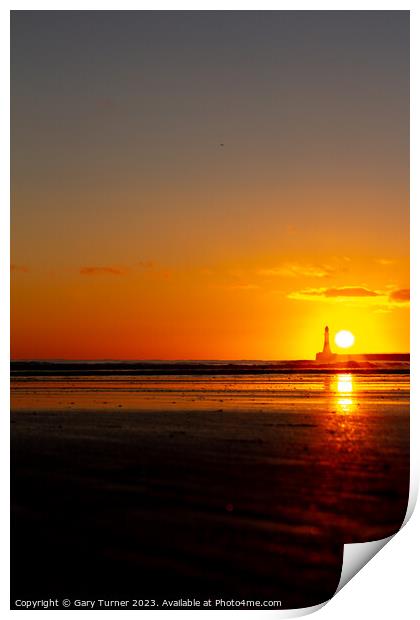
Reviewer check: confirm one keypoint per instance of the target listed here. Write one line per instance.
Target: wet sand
(252, 497)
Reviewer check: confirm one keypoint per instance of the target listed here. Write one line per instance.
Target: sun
(344, 339)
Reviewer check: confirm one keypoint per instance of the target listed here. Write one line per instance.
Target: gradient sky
(135, 234)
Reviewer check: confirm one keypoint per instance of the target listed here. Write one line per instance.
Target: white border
(387, 586)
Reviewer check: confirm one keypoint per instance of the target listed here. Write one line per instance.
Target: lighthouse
(326, 350)
(325, 355)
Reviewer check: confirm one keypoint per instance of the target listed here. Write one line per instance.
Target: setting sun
(344, 339)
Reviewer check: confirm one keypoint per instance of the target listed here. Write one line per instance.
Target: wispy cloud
(20, 268)
(357, 294)
(385, 261)
(401, 295)
(291, 270)
(343, 291)
(146, 268)
(350, 291)
(106, 270)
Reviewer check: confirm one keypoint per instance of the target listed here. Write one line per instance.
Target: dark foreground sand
(155, 504)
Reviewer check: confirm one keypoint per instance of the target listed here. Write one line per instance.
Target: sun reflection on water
(344, 384)
(344, 389)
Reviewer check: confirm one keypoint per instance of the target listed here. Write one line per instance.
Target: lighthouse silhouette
(325, 355)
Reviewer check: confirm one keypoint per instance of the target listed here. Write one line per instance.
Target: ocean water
(207, 386)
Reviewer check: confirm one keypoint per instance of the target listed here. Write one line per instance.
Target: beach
(214, 486)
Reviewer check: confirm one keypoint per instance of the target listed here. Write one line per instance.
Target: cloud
(350, 291)
(385, 261)
(147, 269)
(293, 269)
(401, 295)
(387, 299)
(20, 268)
(344, 291)
(298, 269)
(95, 271)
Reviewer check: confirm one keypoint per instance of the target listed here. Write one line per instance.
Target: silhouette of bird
(221, 144)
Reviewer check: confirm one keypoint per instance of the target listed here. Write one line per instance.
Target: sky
(208, 184)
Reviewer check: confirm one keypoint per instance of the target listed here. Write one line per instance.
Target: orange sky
(259, 310)
(135, 235)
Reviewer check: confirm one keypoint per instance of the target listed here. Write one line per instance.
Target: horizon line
(133, 359)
